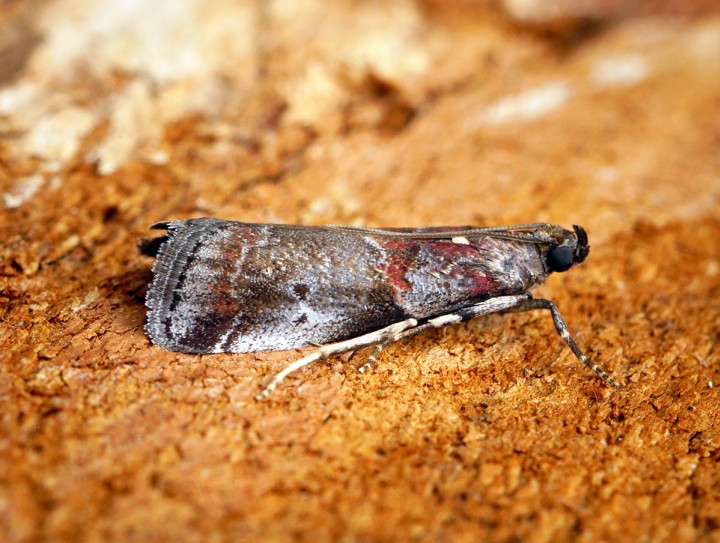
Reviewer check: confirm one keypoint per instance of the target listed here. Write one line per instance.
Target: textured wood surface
(113, 117)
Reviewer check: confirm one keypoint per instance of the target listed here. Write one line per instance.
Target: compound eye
(560, 259)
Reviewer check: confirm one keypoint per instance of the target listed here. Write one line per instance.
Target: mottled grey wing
(223, 286)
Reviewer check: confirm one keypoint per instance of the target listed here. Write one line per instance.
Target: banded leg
(564, 333)
(377, 337)
(373, 357)
(493, 305)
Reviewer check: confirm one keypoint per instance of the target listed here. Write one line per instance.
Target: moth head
(568, 252)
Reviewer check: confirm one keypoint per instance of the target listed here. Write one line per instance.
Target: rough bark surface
(116, 115)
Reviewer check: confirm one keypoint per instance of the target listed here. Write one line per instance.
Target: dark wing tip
(160, 225)
(151, 246)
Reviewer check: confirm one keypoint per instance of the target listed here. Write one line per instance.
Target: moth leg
(432, 323)
(377, 337)
(564, 333)
(378, 349)
(493, 305)
(483, 308)
(373, 357)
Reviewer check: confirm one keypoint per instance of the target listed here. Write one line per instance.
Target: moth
(224, 286)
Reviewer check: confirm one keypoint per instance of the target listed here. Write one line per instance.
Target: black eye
(560, 259)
